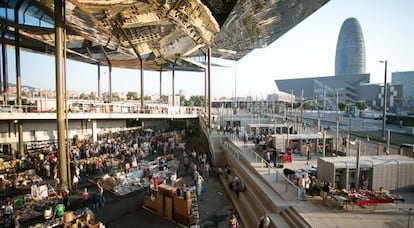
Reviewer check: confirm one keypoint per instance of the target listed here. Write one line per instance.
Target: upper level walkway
(101, 111)
(314, 211)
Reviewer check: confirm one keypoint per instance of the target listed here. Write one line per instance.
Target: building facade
(325, 88)
(406, 80)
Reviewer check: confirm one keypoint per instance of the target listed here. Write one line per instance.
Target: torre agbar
(350, 49)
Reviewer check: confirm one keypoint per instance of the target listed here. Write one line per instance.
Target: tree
(83, 96)
(183, 101)
(132, 96)
(361, 105)
(116, 97)
(196, 101)
(342, 106)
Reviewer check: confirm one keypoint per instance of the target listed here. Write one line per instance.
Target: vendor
(156, 182)
(48, 213)
(9, 211)
(59, 210)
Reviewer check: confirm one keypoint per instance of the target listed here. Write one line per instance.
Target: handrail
(239, 157)
(263, 161)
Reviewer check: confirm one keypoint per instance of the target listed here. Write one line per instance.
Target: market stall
(389, 171)
(362, 197)
(178, 204)
(133, 179)
(82, 217)
(366, 197)
(32, 205)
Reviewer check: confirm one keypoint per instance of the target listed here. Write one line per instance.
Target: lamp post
(337, 122)
(291, 101)
(233, 54)
(384, 111)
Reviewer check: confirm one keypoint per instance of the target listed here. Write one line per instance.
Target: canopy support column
(63, 172)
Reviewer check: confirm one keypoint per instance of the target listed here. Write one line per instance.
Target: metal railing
(289, 186)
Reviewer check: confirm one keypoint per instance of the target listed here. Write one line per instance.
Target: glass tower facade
(350, 49)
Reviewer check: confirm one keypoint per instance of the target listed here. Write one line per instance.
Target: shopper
(59, 210)
(264, 221)
(233, 223)
(48, 213)
(236, 185)
(96, 202)
(325, 192)
(199, 184)
(301, 185)
(85, 198)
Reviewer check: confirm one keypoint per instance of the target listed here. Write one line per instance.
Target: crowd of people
(90, 159)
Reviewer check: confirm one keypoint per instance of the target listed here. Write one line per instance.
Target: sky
(307, 50)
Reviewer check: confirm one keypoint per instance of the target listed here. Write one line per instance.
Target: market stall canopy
(308, 136)
(160, 33)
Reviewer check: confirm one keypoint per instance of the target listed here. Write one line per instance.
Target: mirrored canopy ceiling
(163, 34)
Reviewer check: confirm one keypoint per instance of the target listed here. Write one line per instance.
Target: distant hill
(14, 85)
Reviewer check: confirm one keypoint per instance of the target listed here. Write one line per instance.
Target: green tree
(197, 101)
(361, 105)
(116, 97)
(84, 96)
(132, 96)
(342, 106)
(183, 101)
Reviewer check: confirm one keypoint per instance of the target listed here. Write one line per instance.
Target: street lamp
(384, 111)
(275, 123)
(233, 54)
(337, 121)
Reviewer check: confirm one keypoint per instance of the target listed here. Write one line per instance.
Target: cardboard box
(167, 190)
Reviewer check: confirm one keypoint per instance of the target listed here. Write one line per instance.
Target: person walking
(100, 191)
(96, 201)
(75, 181)
(307, 183)
(207, 171)
(301, 184)
(85, 198)
(199, 183)
(233, 223)
(264, 221)
(236, 185)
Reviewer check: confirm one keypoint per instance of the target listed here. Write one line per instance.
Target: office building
(350, 49)
(406, 80)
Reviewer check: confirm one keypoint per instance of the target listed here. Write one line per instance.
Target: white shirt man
(264, 221)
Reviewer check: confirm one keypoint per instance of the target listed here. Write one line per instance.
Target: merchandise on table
(124, 183)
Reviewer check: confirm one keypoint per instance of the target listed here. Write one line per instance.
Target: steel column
(110, 82)
(173, 84)
(18, 77)
(99, 82)
(209, 85)
(63, 172)
(160, 85)
(17, 57)
(142, 83)
(205, 83)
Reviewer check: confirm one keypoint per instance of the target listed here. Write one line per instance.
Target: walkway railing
(267, 193)
(289, 186)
